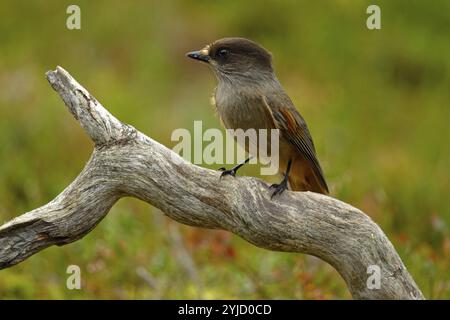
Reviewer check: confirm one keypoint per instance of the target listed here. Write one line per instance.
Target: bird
(249, 96)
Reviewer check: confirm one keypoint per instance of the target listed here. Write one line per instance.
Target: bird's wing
(293, 127)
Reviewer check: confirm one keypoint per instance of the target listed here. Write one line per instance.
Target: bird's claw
(232, 171)
(225, 172)
(278, 188)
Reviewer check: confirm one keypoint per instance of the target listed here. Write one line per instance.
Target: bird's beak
(202, 55)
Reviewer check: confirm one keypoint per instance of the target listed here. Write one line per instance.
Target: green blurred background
(377, 104)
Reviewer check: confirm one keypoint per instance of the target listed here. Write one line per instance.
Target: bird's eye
(223, 52)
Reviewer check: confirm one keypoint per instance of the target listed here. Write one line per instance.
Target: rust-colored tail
(306, 177)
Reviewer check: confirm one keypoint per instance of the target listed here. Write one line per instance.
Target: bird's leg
(283, 185)
(232, 171)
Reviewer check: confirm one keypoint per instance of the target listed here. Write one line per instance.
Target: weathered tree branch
(125, 162)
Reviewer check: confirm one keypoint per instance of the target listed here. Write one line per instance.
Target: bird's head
(232, 58)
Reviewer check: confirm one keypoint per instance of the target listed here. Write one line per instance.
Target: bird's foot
(278, 188)
(228, 172)
(232, 171)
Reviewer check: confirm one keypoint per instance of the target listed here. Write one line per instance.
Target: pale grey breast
(245, 110)
(240, 109)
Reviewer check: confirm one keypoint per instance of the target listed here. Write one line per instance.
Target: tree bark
(125, 162)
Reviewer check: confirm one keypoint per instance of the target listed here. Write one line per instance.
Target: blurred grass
(377, 103)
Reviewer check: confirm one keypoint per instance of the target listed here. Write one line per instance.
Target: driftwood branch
(125, 162)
